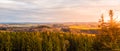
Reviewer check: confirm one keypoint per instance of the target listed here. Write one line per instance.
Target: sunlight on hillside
(82, 27)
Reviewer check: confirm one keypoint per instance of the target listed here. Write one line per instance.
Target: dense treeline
(56, 41)
(45, 41)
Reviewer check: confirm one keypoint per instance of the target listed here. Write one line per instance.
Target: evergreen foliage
(44, 41)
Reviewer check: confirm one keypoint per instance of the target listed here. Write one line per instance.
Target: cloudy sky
(56, 10)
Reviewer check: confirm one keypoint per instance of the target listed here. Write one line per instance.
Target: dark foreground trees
(56, 41)
(45, 41)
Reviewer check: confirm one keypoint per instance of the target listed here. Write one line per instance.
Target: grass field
(82, 27)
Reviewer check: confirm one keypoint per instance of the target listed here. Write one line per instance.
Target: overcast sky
(56, 10)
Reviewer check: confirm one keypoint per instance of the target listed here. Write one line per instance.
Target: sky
(57, 10)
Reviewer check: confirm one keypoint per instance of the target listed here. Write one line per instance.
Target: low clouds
(53, 10)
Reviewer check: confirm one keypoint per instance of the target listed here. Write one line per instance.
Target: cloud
(54, 10)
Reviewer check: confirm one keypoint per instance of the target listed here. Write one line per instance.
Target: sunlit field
(83, 27)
